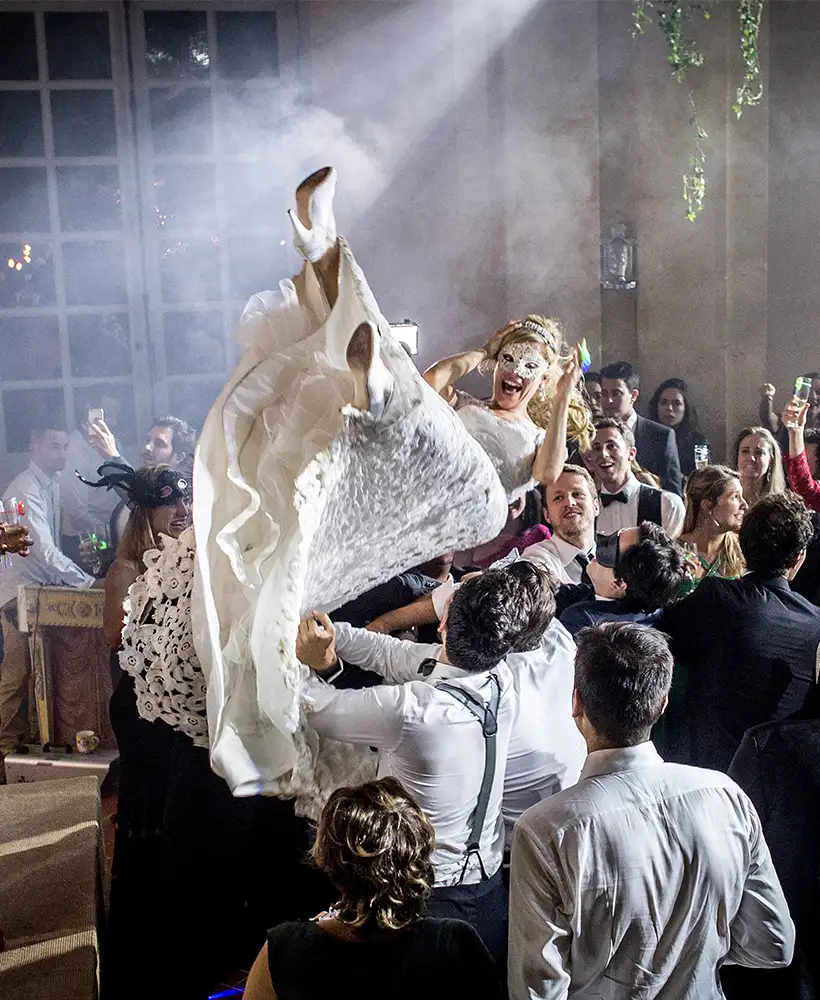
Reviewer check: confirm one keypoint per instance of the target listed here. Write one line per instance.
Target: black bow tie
(609, 498)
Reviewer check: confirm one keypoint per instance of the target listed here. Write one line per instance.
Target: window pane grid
(94, 295)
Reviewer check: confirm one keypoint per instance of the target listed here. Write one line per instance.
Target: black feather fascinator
(167, 488)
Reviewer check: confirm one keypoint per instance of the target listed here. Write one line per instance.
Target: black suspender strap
(487, 715)
(649, 505)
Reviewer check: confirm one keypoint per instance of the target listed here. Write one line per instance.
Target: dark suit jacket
(658, 452)
(745, 653)
(587, 613)
(778, 766)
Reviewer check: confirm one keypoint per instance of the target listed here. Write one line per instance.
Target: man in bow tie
(626, 503)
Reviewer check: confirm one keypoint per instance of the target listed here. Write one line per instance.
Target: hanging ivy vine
(672, 17)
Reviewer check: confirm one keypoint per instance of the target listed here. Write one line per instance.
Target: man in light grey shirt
(38, 487)
(645, 877)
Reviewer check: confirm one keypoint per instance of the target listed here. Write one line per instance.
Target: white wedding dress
(301, 503)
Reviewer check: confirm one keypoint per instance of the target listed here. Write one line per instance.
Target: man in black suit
(746, 651)
(656, 445)
(778, 766)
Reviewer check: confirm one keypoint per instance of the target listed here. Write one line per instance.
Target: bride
(325, 466)
(526, 360)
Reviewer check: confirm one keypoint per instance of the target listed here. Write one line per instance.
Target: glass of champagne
(9, 514)
(802, 391)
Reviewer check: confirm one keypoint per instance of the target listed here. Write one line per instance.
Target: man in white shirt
(546, 751)
(572, 506)
(625, 502)
(430, 740)
(645, 877)
(39, 489)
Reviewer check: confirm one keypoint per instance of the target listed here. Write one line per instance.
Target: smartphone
(95, 414)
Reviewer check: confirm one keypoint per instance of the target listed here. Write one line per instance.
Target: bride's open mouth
(513, 385)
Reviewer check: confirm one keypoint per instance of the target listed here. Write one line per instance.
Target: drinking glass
(802, 391)
(701, 456)
(9, 514)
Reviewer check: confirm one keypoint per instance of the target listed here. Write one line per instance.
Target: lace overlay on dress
(157, 643)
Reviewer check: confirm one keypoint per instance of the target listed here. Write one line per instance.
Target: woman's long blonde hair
(775, 479)
(710, 483)
(138, 536)
(558, 354)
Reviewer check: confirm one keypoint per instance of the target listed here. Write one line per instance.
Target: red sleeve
(800, 480)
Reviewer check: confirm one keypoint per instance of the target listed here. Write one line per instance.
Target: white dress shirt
(640, 881)
(434, 746)
(546, 752)
(625, 515)
(559, 557)
(84, 507)
(46, 564)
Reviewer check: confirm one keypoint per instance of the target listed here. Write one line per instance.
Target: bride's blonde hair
(547, 334)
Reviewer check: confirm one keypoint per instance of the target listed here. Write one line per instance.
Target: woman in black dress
(374, 843)
(672, 406)
(158, 500)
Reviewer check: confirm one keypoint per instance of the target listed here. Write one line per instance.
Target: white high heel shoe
(373, 383)
(314, 225)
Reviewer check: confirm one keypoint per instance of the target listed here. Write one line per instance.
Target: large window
(128, 247)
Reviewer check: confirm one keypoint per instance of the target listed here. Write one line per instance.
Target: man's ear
(633, 454)
(577, 704)
(634, 393)
(619, 586)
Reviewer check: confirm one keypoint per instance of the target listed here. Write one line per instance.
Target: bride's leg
(371, 380)
(315, 229)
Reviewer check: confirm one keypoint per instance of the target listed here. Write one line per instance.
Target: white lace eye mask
(524, 360)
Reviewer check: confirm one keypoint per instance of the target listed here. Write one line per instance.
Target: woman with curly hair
(375, 844)
(526, 359)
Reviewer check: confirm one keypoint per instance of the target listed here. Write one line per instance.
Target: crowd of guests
(599, 736)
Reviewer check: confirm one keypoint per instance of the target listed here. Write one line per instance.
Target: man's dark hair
(653, 569)
(811, 375)
(623, 672)
(44, 424)
(592, 377)
(622, 370)
(774, 533)
(487, 618)
(602, 423)
(541, 586)
(184, 436)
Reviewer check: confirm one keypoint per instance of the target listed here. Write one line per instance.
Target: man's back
(745, 653)
(546, 751)
(640, 881)
(778, 766)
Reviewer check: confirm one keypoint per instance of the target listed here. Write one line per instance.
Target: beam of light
(427, 56)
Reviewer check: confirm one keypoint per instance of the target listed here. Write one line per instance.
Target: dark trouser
(485, 905)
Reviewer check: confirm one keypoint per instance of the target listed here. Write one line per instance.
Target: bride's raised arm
(443, 375)
(551, 455)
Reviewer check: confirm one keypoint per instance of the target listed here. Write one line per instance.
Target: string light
(11, 262)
